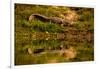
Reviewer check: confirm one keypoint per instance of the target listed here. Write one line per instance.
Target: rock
(43, 18)
(69, 53)
(70, 16)
(56, 20)
(39, 17)
(30, 51)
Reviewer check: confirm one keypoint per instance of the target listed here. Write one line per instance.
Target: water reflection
(56, 47)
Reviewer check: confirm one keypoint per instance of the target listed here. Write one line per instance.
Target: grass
(39, 26)
(50, 27)
(24, 30)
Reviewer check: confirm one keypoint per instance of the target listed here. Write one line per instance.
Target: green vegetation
(50, 37)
